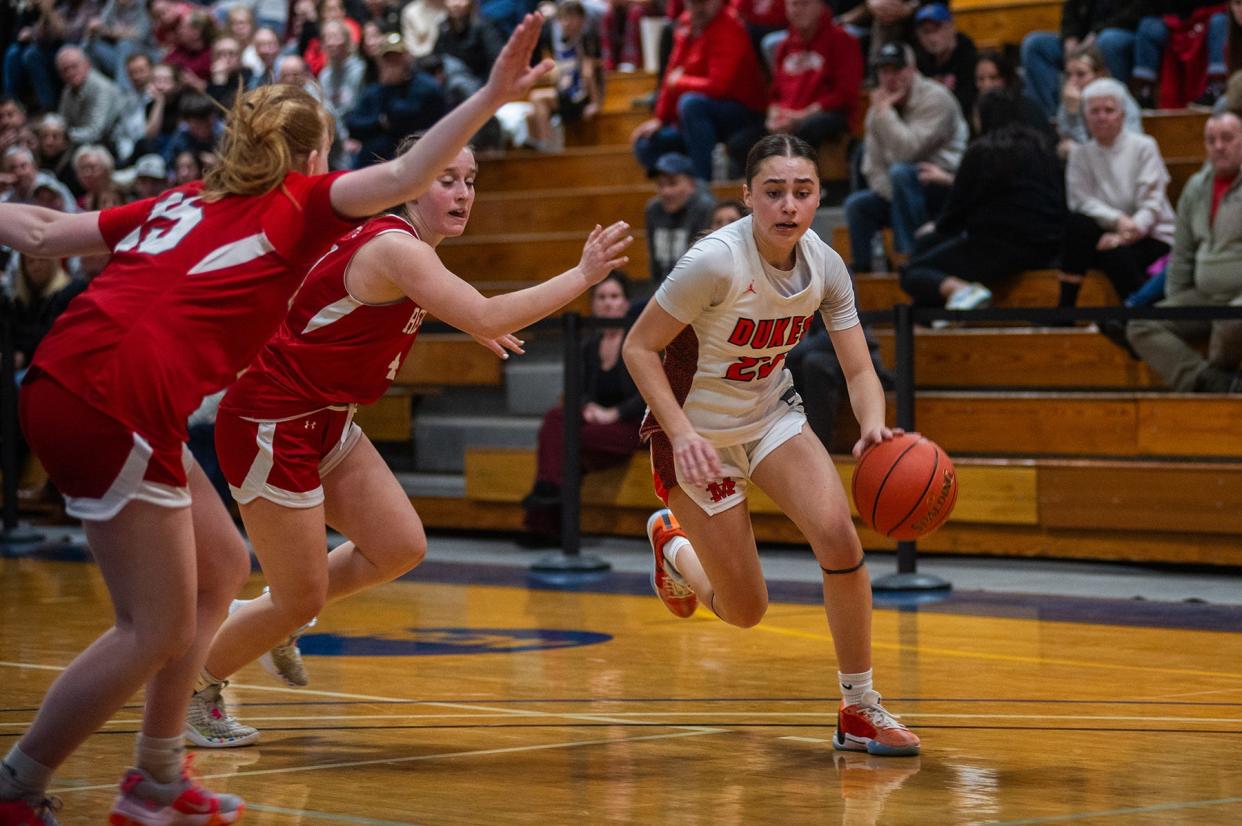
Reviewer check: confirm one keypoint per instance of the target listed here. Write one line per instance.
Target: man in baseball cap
(944, 54)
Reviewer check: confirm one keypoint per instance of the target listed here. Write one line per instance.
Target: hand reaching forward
(501, 344)
(602, 252)
(512, 75)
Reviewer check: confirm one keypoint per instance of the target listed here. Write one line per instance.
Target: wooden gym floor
(434, 701)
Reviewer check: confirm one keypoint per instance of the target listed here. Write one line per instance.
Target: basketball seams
(931, 477)
(875, 505)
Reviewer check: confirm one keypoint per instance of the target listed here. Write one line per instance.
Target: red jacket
(827, 70)
(767, 13)
(719, 63)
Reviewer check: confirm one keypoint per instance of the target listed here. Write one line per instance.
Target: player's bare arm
(46, 233)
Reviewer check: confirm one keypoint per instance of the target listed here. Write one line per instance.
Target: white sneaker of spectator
(971, 297)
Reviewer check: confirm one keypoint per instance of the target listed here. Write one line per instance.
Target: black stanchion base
(910, 582)
(17, 538)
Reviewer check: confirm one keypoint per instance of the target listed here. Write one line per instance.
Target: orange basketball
(905, 488)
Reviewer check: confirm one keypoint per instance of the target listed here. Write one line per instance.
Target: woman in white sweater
(1120, 217)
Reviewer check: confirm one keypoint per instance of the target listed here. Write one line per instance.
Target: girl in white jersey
(723, 413)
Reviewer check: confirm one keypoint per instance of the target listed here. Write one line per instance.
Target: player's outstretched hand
(512, 75)
(500, 345)
(874, 437)
(696, 459)
(602, 252)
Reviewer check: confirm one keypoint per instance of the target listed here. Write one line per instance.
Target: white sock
(22, 777)
(160, 757)
(205, 680)
(854, 687)
(671, 548)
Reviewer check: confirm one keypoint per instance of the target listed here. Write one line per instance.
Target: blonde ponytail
(269, 132)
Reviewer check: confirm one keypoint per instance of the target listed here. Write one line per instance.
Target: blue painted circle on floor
(424, 642)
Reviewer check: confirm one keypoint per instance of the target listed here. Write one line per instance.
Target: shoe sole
(849, 743)
(206, 743)
(167, 817)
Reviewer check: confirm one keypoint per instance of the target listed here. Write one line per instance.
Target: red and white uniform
(193, 290)
(289, 419)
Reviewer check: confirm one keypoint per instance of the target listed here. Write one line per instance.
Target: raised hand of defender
(602, 252)
(512, 75)
(500, 345)
(695, 459)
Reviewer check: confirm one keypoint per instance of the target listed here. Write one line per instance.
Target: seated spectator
(1120, 218)
(12, 121)
(762, 18)
(1106, 24)
(816, 75)
(310, 34)
(1083, 66)
(611, 411)
(20, 179)
(713, 89)
(1205, 270)
(187, 167)
(89, 103)
(578, 91)
(401, 103)
(28, 59)
(885, 21)
(163, 108)
(681, 209)
(239, 24)
(199, 130)
(267, 50)
(913, 141)
(150, 177)
(1005, 213)
(944, 54)
(122, 29)
(1181, 43)
(55, 155)
(191, 52)
(420, 25)
(228, 74)
(996, 72)
(36, 284)
(94, 166)
(343, 70)
(469, 44)
(621, 35)
(725, 213)
(386, 14)
(129, 135)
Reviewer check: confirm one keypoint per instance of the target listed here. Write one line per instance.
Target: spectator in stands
(342, 75)
(311, 19)
(37, 283)
(1082, 66)
(1107, 24)
(164, 109)
(55, 155)
(89, 103)
(272, 15)
(944, 54)
(94, 166)
(713, 88)
(420, 25)
(996, 72)
(150, 177)
(386, 14)
(38, 28)
(611, 411)
(130, 132)
(1181, 43)
(914, 139)
(468, 43)
(12, 121)
(762, 18)
(1204, 270)
(680, 210)
(816, 76)
(621, 35)
(1005, 213)
(17, 180)
(122, 29)
(1120, 218)
(191, 52)
(401, 103)
(50, 193)
(239, 25)
(200, 128)
(577, 93)
(187, 167)
(267, 50)
(891, 21)
(228, 74)
(725, 213)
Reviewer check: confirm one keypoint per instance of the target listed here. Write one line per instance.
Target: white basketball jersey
(728, 369)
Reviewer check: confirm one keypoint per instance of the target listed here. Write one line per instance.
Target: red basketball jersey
(331, 348)
(193, 290)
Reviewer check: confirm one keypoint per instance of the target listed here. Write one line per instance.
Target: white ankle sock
(671, 549)
(205, 680)
(21, 776)
(854, 687)
(160, 757)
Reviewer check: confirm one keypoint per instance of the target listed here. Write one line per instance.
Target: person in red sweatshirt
(713, 88)
(816, 76)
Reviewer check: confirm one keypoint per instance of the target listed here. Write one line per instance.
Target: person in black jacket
(611, 411)
(1108, 24)
(1005, 214)
(402, 102)
(468, 44)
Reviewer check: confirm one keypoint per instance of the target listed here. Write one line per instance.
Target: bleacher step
(533, 385)
(440, 441)
(436, 485)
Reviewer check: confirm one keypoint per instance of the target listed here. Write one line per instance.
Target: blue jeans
(866, 213)
(30, 64)
(1043, 58)
(704, 123)
(914, 204)
(1153, 35)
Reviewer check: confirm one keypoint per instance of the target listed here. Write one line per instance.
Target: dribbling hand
(695, 459)
(874, 437)
(512, 76)
(602, 252)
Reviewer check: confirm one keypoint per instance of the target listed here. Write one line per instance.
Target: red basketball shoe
(24, 812)
(869, 727)
(144, 802)
(665, 580)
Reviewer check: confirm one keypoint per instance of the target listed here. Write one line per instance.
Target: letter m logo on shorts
(723, 489)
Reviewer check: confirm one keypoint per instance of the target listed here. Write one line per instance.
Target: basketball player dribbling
(199, 279)
(285, 434)
(723, 414)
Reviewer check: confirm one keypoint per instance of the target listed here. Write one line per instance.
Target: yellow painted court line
(1012, 658)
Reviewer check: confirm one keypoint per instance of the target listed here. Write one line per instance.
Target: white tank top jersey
(745, 315)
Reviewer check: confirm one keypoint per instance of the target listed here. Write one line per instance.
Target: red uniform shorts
(284, 462)
(98, 464)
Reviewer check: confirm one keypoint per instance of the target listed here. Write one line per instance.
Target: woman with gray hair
(94, 165)
(1120, 217)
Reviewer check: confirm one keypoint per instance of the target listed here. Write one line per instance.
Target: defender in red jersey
(199, 279)
(285, 437)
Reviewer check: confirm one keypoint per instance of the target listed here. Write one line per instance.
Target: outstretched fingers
(512, 75)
